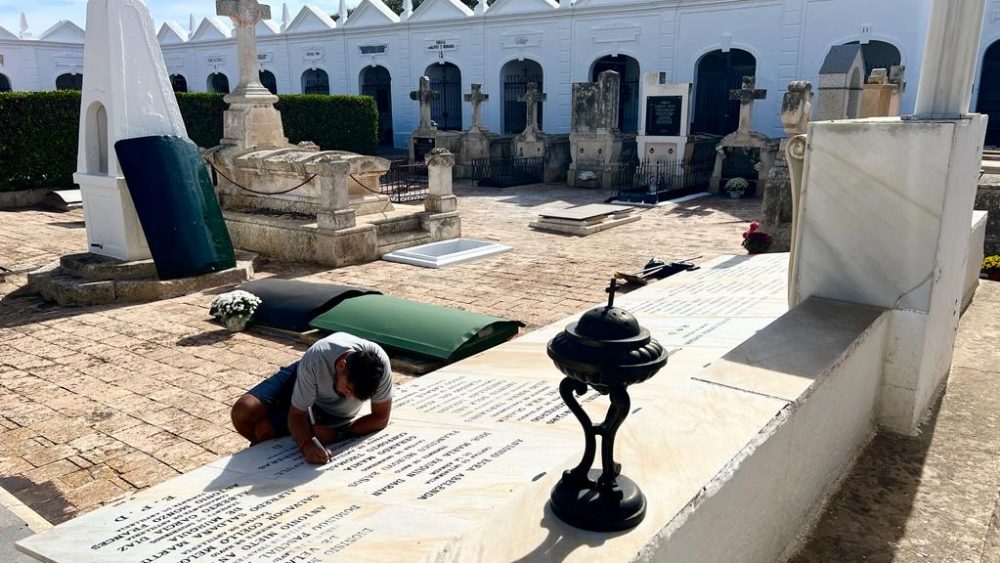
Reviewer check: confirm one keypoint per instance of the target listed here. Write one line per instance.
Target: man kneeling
(330, 384)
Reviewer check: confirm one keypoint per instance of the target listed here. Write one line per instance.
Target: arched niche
(315, 81)
(69, 81)
(446, 110)
(178, 83)
(375, 81)
(988, 102)
(97, 140)
(515, 77)
(218, 83)
(269, 81)
(5, 83)
(717, 73)
(628, 95)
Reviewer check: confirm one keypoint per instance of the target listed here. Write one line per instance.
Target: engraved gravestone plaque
(422, 146)
(663, 116)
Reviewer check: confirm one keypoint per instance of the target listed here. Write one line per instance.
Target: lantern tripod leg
(620, 405)
(568, 389)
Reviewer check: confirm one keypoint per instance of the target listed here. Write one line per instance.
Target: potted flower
(755, 240)
(235, 308)
(991, 267)
(737, 187)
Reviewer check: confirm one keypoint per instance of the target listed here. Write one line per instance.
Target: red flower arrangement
(755, 240)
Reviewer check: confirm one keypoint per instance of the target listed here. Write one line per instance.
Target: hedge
(38, 130)
(38, 139)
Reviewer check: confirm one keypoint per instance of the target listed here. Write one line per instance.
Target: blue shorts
(275, 393)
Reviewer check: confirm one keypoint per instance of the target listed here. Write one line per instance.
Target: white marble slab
(479, 442)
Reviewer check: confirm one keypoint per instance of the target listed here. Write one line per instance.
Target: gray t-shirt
(314, 384)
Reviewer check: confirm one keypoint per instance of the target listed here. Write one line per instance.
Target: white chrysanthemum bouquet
(235, 308)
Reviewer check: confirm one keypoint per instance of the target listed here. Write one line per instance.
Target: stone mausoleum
(506, 44)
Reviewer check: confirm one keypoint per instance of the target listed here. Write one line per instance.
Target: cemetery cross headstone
(531, 98)
(245, 15)
(476, 98)
(746, 95)
(425, 95)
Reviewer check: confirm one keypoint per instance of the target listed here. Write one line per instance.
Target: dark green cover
(429, 330)
(176, 204)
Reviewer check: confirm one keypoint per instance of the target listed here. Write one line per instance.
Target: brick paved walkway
(96, 402)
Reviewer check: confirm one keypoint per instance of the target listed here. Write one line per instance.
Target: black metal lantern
(607, 350)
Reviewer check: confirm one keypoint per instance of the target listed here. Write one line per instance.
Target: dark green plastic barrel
(176, 204)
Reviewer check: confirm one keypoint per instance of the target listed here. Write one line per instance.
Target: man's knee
(247, 411)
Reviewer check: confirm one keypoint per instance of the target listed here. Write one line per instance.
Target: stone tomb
(744, 153)
(597, 145)
(841, 83)
(881, 95)
(300, 203)
(663, 119)
(583, 220)
(476, 441)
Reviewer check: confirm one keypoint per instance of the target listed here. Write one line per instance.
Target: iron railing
(653, 182)
(405, 182)
(507, 172)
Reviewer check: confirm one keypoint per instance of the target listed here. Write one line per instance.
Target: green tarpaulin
(430, 330)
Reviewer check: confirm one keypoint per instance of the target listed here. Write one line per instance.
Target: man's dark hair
(364, 372)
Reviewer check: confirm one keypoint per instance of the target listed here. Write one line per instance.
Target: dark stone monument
(663, 115)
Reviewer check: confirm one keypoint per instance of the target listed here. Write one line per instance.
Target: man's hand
(315, 454)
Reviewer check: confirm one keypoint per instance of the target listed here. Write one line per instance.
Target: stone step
(991, 167)
(95, 267)
(398, 225)
(394, 241)
(57, 283)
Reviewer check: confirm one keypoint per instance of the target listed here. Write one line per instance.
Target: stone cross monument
(532, 97)
(246, 14)
(476, 98)
(425, 96)
(746, 95)
(251, 122)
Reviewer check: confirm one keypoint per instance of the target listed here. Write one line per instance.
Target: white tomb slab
(478, 442)
(446, 253)
(663, 119)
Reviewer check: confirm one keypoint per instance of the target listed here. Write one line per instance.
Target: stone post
(950, 55)
(440, 198)
(335, 211)
(777, 207)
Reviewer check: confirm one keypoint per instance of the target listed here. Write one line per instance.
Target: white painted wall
(789, 38)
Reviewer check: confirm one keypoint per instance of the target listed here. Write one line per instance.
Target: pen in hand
(315, 440)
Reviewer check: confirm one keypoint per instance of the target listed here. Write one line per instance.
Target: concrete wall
(768, 497)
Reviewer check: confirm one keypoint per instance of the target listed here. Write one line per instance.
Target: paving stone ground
(98, 402)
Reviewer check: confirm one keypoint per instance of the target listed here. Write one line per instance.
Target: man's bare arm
(298, 427)
(377, 420)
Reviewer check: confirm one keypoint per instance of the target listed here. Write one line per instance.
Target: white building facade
(710, 43)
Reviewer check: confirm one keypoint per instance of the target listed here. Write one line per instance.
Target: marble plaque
(663, 115)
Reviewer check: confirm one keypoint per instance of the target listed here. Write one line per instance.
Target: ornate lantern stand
(607, 350)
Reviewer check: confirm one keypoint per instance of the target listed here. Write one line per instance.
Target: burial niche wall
(628, 88)
(717, 73)
(515, 77)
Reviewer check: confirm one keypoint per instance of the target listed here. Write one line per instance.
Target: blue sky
(43, 14)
